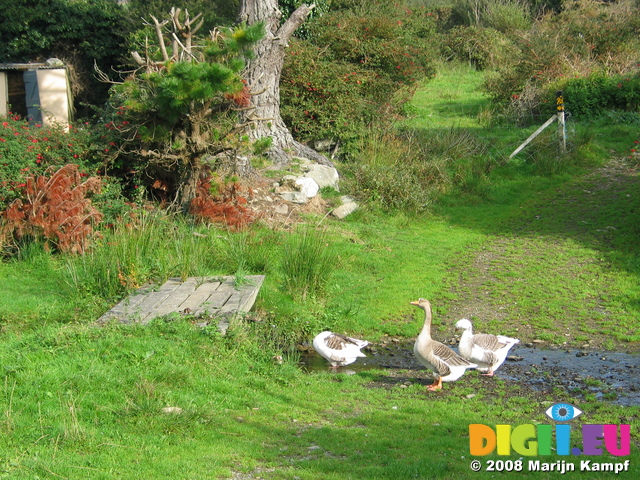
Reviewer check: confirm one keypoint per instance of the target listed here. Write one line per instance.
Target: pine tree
(178, 111)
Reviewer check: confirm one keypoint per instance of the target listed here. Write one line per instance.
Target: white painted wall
(54, 96)
(4, 95)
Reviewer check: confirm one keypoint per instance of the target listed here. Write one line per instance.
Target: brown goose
(338, 350)
(446, 365)
(488, 351)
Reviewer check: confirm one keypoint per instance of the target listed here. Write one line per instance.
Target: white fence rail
(562, 131)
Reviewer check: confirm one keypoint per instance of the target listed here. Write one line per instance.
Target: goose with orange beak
(446, 365)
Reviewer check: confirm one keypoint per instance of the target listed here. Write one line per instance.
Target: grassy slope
(550, 252)
(84, 402)
(567, 262)
(93, 410)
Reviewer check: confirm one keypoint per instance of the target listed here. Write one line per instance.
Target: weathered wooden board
(215, 296)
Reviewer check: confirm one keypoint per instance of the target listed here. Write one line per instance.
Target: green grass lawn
(79, 401)
(87, 402)
(453, 98)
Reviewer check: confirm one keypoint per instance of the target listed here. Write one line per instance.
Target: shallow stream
(609, 376)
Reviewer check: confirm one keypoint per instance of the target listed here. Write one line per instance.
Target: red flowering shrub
(27, 150)
(54, 207)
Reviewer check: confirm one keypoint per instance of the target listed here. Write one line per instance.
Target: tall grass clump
(307, 263)
(385, 173)
(507, 15)
(126, 257)
(153, 246)
(411, 170)
(545, 156)
(150, 246)
(246, 250)
(484, 48)
(501, 15)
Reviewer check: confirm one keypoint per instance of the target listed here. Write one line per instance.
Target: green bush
(608, 29)
(598, 93)
(484, 48)
(396, 44)
(112, 202)
(355, 69)
(330, 100)
(587, 37)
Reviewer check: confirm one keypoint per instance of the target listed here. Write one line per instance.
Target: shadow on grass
(389, 432)
(600, 210)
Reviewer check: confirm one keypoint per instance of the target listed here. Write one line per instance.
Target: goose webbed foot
(436, 385)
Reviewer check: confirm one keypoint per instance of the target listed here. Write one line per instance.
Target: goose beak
(414, 303)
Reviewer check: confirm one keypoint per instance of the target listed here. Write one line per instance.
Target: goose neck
(466, 334)
(426, 328)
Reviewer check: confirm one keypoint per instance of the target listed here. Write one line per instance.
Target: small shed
(39, 92)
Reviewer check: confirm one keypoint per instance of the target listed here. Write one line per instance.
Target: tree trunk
(263, 79)
(188, 177)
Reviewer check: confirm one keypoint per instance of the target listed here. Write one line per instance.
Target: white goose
(338, 350)
(446, 365)
(488, 351)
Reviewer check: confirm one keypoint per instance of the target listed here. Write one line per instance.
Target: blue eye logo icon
(563, 412)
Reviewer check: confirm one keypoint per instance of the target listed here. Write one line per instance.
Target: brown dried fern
(55, 207)
(227, 207)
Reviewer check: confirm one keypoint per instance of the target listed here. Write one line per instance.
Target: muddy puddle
(607, 376)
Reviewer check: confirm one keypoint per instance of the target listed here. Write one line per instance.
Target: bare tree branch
(175, 18)
(161, 44)
(138, 59)
(197, 27)
(296, 19)
(184, 49)
(103, 77)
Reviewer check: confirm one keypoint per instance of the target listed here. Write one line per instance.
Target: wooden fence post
(562, 131)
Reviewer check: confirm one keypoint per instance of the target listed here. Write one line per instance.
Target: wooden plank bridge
(218, 297)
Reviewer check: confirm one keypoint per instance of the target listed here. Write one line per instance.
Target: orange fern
(227, 207)
(241, 98)
(55, 207)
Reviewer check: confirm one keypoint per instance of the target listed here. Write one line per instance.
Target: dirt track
(584, 214)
